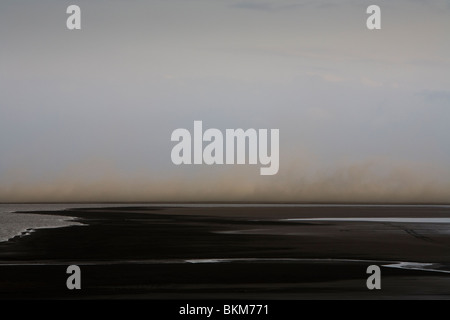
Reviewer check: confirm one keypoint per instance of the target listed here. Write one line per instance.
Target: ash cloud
(371, 181)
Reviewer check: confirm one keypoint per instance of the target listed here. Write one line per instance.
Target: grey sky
(93, 110)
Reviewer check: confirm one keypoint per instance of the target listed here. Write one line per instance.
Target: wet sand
(231, 253)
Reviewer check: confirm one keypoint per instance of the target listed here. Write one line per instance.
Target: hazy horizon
(87, 115)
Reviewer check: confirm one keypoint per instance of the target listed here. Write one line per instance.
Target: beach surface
(234, 252)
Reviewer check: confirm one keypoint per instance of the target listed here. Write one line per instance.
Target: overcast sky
(87, 115)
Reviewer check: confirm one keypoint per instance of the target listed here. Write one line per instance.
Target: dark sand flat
(231, 252)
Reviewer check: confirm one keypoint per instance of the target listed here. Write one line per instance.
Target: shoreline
(119, 248)
(236, 204)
